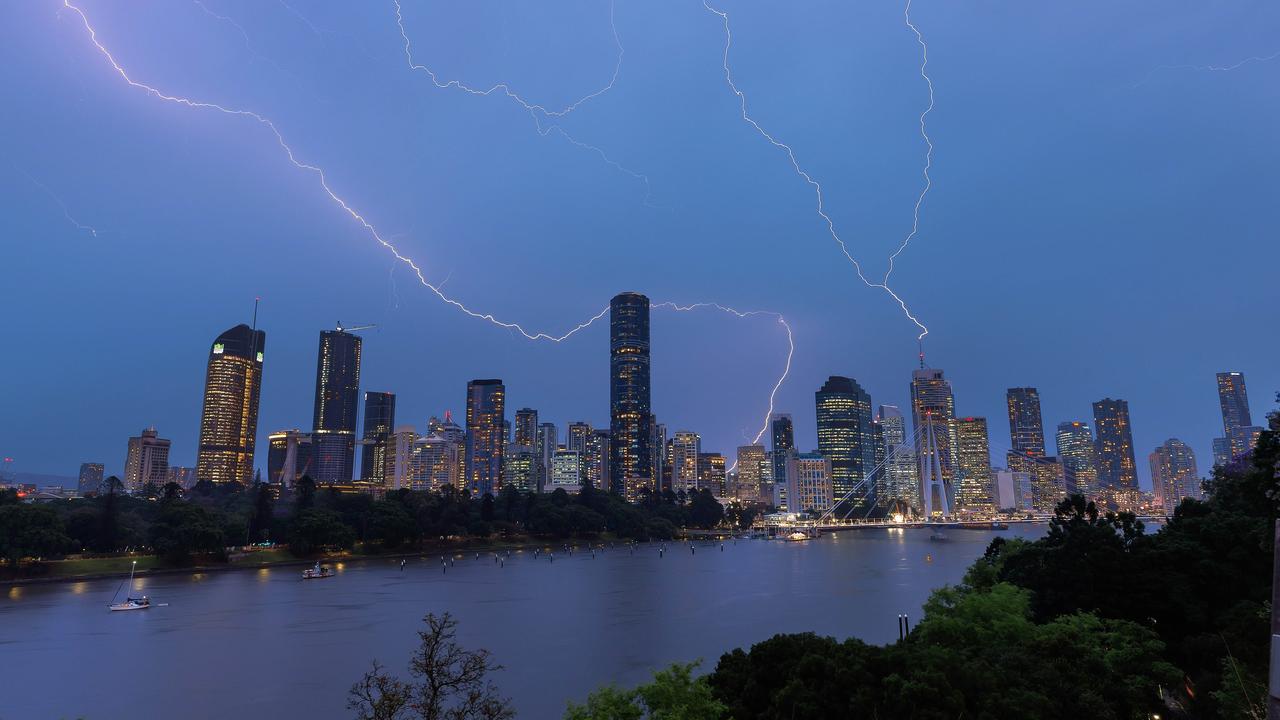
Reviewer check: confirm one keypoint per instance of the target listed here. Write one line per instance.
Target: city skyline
(966, 249)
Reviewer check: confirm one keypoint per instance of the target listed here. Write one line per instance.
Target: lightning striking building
(229, 419)
(631, 466)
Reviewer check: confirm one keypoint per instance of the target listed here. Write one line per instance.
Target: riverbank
(83, 569)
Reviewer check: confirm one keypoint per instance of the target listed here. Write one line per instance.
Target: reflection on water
(265, 643)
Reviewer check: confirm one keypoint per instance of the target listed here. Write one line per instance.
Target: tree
(263, 513)
(305, 493)
(30, 531)
(704, 511)
(182, 529)
(316, 529)
(109, 537)
(674, 694)
(448, 682)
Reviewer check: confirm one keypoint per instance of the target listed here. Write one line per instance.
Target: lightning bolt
(1210, 68)
(373, 232)
(795, 164)
(243, 34)
(924, 134)
(53, 196)
(540, 113)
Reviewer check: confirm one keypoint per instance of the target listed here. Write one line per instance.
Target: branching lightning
(924, 135)
(795, 164)
(1211, 68)
(373, 232)
(244, 35)
(61, 205)
(545, 120)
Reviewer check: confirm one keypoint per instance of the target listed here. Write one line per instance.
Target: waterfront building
(1048, 484)
(229, 417)
(288, 456)
(1221, 451)
(333, 428)
(782, 434)
(1173, 474)
(711, 473)
(426, 462)
(1013, 491)
(846, 438)
(1078, 453)
(1239, 434)
(482, 463)
(809, 483)
(90, 481)
(147, 461)
(750, 476)
(973, 466)
(566, 471)
(901, 485)
(684, 451)
(379, 422)
(1115, 461)
(520, 465)
(933, 412)
(631, 426)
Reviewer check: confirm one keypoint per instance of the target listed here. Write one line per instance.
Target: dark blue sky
(1101, 224)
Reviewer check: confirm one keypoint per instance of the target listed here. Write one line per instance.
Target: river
(265, 644)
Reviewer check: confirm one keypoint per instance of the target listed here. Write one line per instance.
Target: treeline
(1097, 619)
(200, 524)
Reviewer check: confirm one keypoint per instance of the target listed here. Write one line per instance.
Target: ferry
(797, 536)
(318, 572)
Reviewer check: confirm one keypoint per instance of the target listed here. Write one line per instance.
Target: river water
(265, 644)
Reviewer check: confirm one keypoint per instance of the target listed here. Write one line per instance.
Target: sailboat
(130, 603)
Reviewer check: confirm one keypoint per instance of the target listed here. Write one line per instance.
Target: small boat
(797, 536)
(130, 603)
(317, 572)
(937, 536)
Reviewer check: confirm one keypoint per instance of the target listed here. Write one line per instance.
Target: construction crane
(353, 329)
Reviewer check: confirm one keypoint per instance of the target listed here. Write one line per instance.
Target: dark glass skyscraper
(846, 437)
(333, 437)
(1116, 466)
(783, 435)
(1238, 433)
(482, 464)
(630, 415)
(379, 424)
(1026, 426)
(229, 421)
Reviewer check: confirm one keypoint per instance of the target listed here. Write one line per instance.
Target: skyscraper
(379, 423)
(578, 434)
(630, 414)
(90, 478)
(545, 447)
(846, 438)
(685, 448)
(782, 434)
(1026, 427)
(526, 427)
(597, 460)
(933, 411)
(1237, 422)
(333, 436)
(229, 421)
(711, 473)
(486, 400)
(147, 462)
(751, 461)
(809, 486)
(1173, 474)
(973, 466)
(901, 474)
(1116, 467)
(1078, 454)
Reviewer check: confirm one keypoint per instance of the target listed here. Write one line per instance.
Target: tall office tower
(379, 423)
(846, 437)
(229, 421)
(333, 429)
(809, 487)
(973, 466)
(657, 449)
(1026, 426)
(901, 473)
(1048, 484)
(1078, 454)
(596, 460)
(506, 435)
(486, 400)
(711, 473)
(526, 427)
(447, 428)
(1237, 422)
(685, 448)
(933, 412)
(147, 461)
(1116, 467)
(520, 468)
(288, 457)
(547, 443)
(782, 433)
(878, 478)
(751, 461)
(90, 478)
(566, 472)
(631, 464)
(578, 434)
(1173, 473)
(1221, 451)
